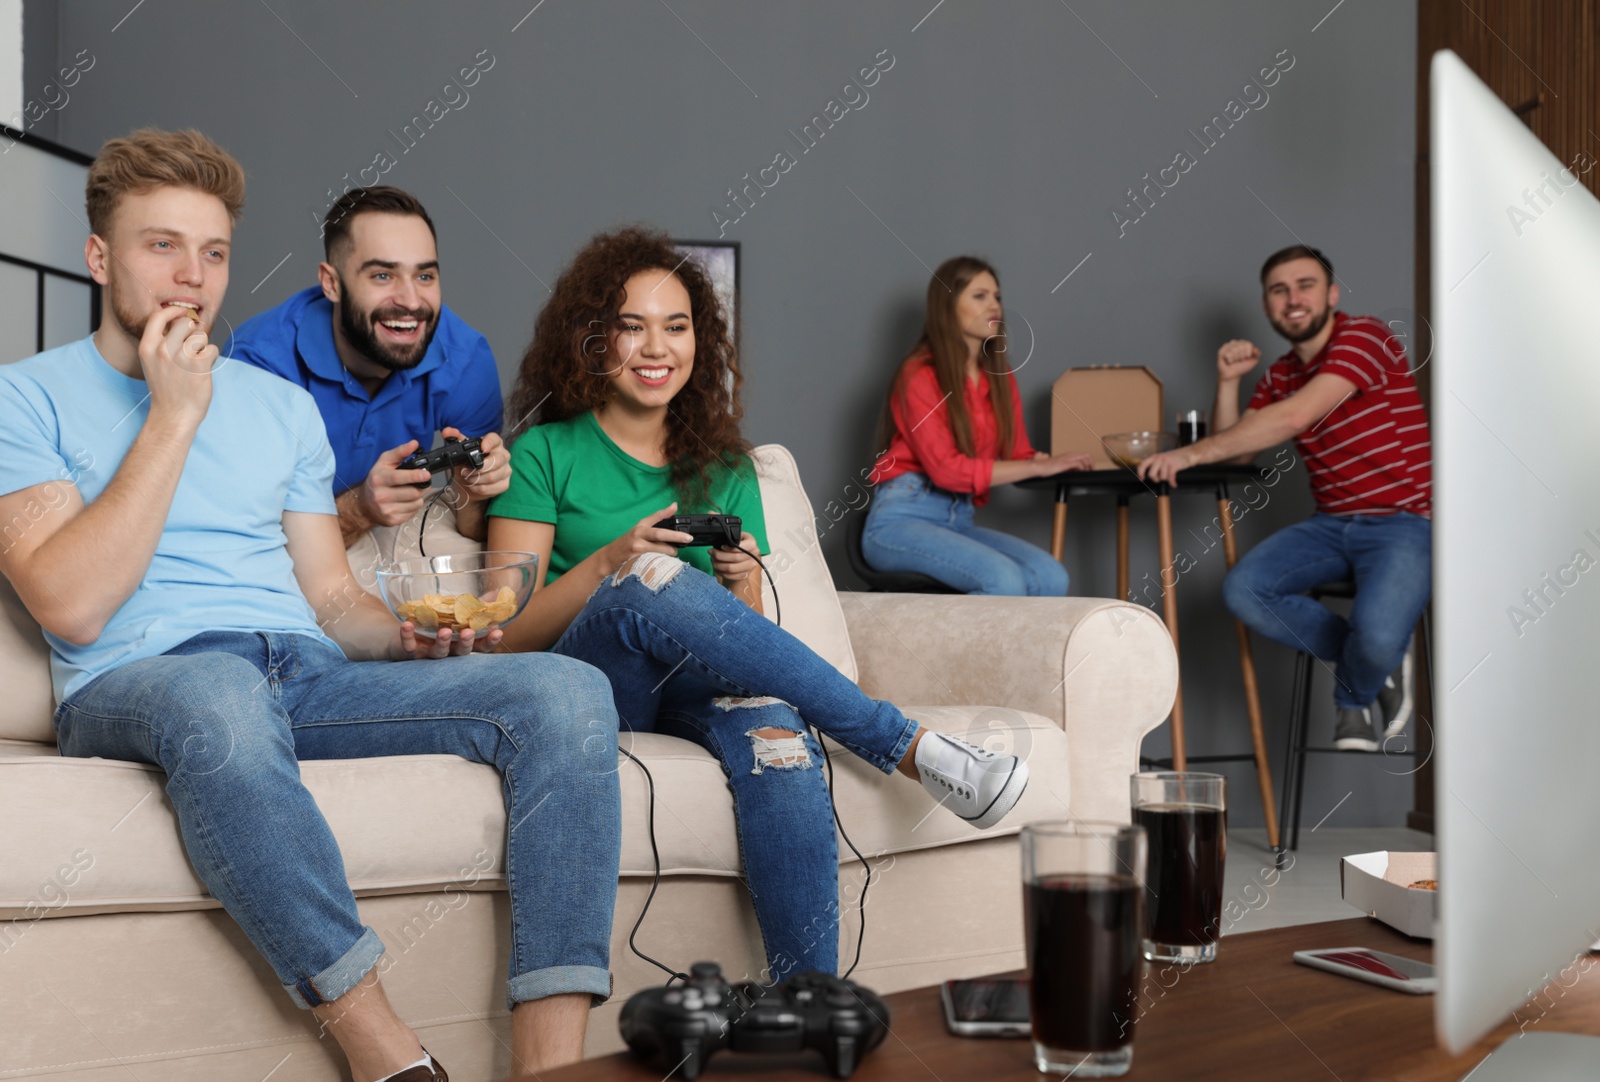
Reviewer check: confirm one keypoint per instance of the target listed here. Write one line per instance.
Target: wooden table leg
(1252, 695)
(1169, 604)
(1122, 548)
(1058, 529)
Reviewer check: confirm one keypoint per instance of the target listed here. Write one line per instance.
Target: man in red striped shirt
(1345, 394)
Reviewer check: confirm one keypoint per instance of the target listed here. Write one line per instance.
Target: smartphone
(1389, 970)
(986, 1008)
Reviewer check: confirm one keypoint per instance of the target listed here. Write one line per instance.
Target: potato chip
(459, 611)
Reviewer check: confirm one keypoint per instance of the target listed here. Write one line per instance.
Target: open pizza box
(1087, 403)
(1379, 884)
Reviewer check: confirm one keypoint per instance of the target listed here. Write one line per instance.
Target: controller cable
(655, 881)
(422, 531)
(734, 542)
(861, 903)
(655, 853)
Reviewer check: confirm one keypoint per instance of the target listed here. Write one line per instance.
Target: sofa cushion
(98, 835)
(811, 609)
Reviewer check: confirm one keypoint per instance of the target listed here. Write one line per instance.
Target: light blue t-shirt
(221, 564)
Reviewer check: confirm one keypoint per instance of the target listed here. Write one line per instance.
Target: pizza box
(1378, 884)
(1088, 403)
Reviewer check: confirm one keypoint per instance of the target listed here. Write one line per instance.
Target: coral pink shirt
(923, 442)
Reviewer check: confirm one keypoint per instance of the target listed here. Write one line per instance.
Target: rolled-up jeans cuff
(339, 978)
(891, 762)
(559, 980)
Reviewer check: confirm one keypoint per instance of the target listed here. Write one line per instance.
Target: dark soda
(1084, 960)
(1188, 846)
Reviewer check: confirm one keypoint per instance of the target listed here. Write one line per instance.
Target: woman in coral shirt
(954, 419)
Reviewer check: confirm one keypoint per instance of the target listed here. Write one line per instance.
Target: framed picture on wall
(720, 259)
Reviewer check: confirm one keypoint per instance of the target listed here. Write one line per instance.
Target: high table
(1125, 484)
(1252, 1014)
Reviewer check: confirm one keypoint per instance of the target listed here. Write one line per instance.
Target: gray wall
(40, 69)
(1011, 130)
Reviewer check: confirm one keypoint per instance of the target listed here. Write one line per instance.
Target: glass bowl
(1131, 448)
(480, 590)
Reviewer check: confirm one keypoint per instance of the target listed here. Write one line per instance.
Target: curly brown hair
(564, 371)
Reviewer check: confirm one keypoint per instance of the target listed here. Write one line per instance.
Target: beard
(127, 317)
(1312, 329)
(131, 322)
(360, 330)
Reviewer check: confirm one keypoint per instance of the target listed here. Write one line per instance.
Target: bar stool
(1294, 763)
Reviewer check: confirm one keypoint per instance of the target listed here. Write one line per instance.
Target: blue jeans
(686, 657)
(914, 526)
(228, 716)
(1390, 560)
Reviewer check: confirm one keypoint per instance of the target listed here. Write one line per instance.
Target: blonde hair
(150, 159)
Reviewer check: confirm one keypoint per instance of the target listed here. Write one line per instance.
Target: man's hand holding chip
(175, 357)
(446, 642)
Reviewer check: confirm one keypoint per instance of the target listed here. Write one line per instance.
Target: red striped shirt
(1372, 454)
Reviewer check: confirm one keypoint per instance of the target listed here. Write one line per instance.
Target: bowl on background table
(1131, 448)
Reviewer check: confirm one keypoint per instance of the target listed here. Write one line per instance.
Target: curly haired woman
(634, 380)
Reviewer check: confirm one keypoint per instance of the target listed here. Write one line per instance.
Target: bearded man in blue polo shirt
(387, 363)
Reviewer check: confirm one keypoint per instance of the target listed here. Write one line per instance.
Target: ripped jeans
(687, 658)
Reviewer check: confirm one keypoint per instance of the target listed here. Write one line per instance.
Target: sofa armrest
(1104, 670)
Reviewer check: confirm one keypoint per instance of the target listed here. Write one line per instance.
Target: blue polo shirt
(457, 384)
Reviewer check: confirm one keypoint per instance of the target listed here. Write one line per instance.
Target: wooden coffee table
(1253, 1013)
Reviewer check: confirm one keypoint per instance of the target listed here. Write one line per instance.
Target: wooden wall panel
(1541, 58)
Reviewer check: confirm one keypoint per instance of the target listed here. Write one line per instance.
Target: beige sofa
(115, 964)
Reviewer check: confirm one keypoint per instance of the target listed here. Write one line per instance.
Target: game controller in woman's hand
(718, 531)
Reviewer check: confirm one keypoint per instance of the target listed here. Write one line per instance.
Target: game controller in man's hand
(718, 531)
(447, 456)
(676, 1029)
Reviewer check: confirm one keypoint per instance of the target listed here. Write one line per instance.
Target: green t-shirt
(570, 474)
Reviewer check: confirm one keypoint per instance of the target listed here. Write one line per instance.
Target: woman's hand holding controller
(646, 536)
(735, 565)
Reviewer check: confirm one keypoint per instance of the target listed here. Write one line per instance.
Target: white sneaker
(979, 785)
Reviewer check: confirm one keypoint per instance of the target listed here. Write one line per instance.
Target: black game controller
(722, 531)
(677, 1029)
(447, 456)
